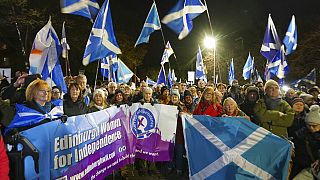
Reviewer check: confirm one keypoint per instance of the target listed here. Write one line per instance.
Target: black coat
(71, 108)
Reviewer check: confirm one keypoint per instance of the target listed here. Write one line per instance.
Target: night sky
(239, 27)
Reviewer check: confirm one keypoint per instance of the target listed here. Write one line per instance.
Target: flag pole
(209, 19)
(95, 81)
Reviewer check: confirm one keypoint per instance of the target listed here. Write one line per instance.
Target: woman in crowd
(73, 103)
(290, 94)
(194, 94)
(272, 112)
(230, 109)
(147, 96)
(165, 95)
(251, 97)
(188, 101)
(208, 104)
(127, 93)
(99, 101)
(118, 98)
(297, 105)
(56, 98)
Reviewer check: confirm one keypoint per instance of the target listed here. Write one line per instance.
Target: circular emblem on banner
(142, 123)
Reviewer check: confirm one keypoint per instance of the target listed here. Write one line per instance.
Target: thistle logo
(142, 123)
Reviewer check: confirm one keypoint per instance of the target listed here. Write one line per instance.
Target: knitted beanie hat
(269, 83)
(314, 115)
(175, 92)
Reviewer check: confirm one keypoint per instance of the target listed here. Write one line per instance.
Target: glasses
(44, 91)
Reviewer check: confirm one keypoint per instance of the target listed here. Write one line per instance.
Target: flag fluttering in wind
(101, 42)
(291, 38)
(168, 51)
(180, 17)
(248, 68)
(309, 79)
(85, 8)
(256, 76)
(64, 43)
(150, 82)
(151, 24)
(106, 64)
(44, 57)
(278, 66)
(161, 76)
(124, 74)
(200, 70)
(271, 42)
(173, 75)
(231, 72)
(169, 81)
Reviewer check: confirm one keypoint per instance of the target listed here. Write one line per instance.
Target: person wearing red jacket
(208, 104)
(4, 162)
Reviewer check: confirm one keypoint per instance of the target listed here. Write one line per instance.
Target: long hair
(208, 90)
(35, 86)
(76, 86)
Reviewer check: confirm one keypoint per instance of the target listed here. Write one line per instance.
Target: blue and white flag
(26, 116)
(85, 8)
(161, 76)
(173, 75)
(180, 17)
(168, 51)
(231, 72)
(150, 82)
(64, 43)
(105, 67)
(200, 72)
(152, 24)
(233, 148)
(124, 74)
(278, 66)
(169, 82)
(44, 57)
(309, 78)
(101, 42)
(256, 76)
(271, 42)
(291, 38)
(248, 68)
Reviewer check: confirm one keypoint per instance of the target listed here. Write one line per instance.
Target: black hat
(295, 100)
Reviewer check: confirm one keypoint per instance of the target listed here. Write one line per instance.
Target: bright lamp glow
(209, 42)
(285, 88)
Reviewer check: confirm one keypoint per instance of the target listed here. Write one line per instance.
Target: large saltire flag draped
(168, 51)
(278, 66)
(85, 8)
(101, 42)
(233, 148)
(248, 68)
(231, 72)
(200, 71)
(44, 57)
(152, 24)
(291, 38)
(271, 42)
(180, 17)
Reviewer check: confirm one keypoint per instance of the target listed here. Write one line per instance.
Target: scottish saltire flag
(278, 66)
(168, 51)
(248, 68)
(291, 38)
(309, 78)
(162, 76)
(150, 82)
(180, 17)
(44, 57)
(173, 75)
(271, 42)
(200, 72)
(26, 116)
(105, 68)
(101, 42)
(114, 65)
(169, 82)
(231, 72)
(124, 74)
(152, 24)
(233, 148)
(64, 43)
(256, 76)
(85, 8)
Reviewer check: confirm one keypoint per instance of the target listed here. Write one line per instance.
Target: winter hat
(163, 88)
(98, 91)
(187, 93)
(314, 88)
(252, 89)
(314, 115)
(295, 100)
(175, 92)
(306, 97)
(269, 83)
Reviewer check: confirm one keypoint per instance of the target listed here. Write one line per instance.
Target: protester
(127, 93)
(314, 91)
(81, 80)
(218, 96)
(112, 86)
(194, 94)
(99, 101)
(118, 98)
(307, 145)
(147, 96)
(231, 109)
(56, 97)
(4, 162)
(308, 100)
(188, 102)
(297, 105)
(73, 103)
(260, 86)
(251, 97)
(235, 92)
(272, 112)
(165, 95)
(290, 94)
(222, 88)
(201, 85)
(208, 104)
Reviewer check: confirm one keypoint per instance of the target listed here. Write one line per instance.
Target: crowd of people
(293, 115)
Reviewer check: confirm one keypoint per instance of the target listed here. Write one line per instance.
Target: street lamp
(210, 43)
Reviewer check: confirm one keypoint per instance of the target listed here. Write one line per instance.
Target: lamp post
(210, 43)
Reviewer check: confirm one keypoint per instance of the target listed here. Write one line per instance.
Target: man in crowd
(81, 80)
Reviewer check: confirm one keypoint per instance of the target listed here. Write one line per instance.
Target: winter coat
(271, 119)
(204, 108)
(71, 108)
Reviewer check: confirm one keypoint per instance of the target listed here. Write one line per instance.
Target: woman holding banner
(208, 104)
(73, 103)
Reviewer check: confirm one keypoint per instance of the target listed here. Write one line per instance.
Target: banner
(94, 145)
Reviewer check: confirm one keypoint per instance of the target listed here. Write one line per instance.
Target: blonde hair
(230, 99)
(35, 86)
(210, 90)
